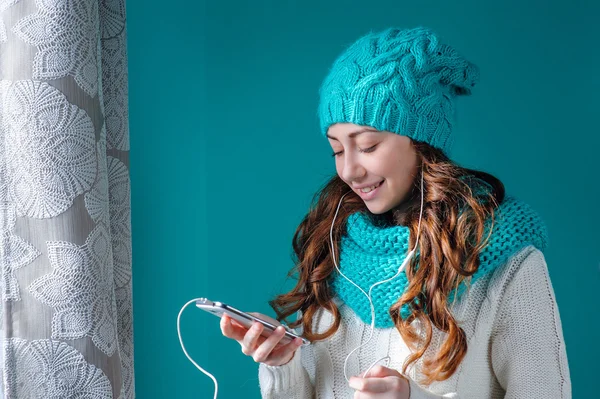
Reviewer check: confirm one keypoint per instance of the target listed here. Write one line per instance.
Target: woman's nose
(353, 170)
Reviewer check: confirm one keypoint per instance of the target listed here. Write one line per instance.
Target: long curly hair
(451, 239)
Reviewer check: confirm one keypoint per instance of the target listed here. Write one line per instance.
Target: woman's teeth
(369, 189)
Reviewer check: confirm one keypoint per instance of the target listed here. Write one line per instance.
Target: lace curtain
(65, 230)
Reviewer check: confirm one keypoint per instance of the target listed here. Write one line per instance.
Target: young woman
(417, 278)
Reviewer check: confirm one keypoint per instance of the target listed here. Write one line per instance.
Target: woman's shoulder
(523, 275)
(525, 270)
(517, 242)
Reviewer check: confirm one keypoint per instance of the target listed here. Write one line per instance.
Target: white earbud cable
(186, 354)
(402, 267)
(387, 358)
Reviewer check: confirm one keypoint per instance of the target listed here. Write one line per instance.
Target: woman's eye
(370, 149)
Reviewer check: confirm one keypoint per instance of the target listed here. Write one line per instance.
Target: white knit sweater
(515, 340)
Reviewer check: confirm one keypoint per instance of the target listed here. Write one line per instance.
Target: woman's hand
(263, 350)
(381, 383)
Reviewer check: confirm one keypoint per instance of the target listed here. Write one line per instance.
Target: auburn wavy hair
(451, 239)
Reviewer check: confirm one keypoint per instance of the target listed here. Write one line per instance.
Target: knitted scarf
(369, 253)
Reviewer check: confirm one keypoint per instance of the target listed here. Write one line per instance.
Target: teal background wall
(226, 155)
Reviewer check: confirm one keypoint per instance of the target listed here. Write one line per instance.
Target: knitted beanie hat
(401, 81)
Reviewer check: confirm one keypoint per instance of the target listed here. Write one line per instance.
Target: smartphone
(246, 319)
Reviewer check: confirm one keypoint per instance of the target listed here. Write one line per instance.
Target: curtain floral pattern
(65, 214)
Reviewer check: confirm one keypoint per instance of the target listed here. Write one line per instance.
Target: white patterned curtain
(65, 230)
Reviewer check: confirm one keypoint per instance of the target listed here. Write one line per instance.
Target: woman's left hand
(381, 383)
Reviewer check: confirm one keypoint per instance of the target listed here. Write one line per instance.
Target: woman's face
(366, 157)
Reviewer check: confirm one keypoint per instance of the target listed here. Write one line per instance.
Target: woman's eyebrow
(353, 134)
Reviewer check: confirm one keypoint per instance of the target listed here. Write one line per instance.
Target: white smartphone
(246, 319)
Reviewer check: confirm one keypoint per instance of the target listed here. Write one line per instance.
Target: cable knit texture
(516, 348)
(399, 80)
(384, 249)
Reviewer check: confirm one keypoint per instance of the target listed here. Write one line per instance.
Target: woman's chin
(377, 208)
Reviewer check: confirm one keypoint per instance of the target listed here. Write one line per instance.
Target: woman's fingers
(261, 354)
(237, 323)
(263, 350)
(382, 371)
(231, 330)
(250, 340)
(373, 385)
(284, 352)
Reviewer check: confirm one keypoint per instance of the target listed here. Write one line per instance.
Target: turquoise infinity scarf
(369, 254)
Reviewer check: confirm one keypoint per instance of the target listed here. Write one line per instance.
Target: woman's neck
(400, 212)
(396, 216)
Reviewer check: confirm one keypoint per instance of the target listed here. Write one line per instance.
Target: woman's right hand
(263, 350)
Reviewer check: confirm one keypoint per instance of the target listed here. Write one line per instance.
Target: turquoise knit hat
(401, 81)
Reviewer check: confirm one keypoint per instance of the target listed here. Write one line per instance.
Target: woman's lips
(371, 194)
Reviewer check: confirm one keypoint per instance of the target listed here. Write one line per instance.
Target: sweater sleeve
(418, 392)
(528, 353)
(289, 381)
